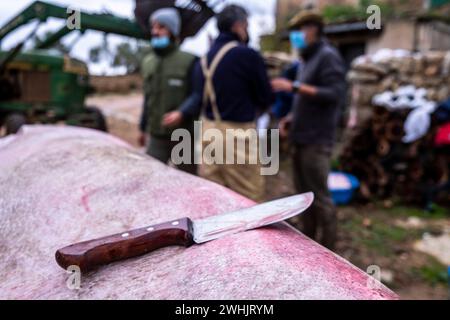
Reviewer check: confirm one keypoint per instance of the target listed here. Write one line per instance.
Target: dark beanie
(229, 15)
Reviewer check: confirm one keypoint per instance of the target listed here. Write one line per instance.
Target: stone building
(286, 9)
(417, 25)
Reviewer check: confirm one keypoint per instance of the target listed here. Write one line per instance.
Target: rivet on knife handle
(90, 254)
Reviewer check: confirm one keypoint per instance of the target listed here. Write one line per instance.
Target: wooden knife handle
(89, 254)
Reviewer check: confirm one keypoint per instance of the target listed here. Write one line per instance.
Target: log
(383, 147)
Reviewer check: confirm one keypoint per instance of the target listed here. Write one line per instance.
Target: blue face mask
(160, 42)
(298, 39)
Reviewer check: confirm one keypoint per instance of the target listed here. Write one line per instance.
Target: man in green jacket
(167, 73)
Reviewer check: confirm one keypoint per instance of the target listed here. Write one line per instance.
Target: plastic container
(342, 187)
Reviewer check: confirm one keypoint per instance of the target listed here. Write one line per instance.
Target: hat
(169, 18)
(304, 17)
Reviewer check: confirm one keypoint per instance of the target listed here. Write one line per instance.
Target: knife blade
(90, 254)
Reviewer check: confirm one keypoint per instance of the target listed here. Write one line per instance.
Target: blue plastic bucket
(342, 187)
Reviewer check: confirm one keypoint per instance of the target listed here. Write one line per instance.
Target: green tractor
(43, 85)
(38, 87)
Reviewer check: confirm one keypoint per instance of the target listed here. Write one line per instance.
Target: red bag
(443, 136)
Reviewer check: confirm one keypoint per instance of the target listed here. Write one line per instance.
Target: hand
(284, 126)
(142, 139)
(281, 84)
(172, 119)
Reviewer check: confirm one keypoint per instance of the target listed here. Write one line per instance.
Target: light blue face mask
(160, 42)
(298, 39)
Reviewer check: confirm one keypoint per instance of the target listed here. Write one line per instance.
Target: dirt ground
(386, 234)
(122, 114)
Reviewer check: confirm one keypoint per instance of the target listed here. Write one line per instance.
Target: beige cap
(306, 16)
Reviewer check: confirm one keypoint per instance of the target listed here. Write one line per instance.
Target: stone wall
(387, 70)
(411, 34)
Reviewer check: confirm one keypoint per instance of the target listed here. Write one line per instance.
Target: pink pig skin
(61, 185)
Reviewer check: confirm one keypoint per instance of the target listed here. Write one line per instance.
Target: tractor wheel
(14, 122)
(98, 119)
(91, 117)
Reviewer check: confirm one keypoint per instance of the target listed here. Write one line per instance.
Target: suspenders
(209, 94)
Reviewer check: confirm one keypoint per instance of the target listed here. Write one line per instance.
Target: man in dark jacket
(233, 86)
(320, 90)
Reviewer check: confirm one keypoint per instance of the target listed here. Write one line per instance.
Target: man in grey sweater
(311, 126)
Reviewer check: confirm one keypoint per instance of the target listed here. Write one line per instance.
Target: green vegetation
(401, 210)
(346, 13)
(433, 272)
(438, 3)
(378, 236)
(126, 54)
(336, 13)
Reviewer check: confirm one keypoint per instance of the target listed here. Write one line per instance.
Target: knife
(90, 254)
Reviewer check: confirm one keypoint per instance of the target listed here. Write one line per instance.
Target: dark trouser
(161, 149)
(311, 165)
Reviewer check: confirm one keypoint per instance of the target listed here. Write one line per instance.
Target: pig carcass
(61, 185)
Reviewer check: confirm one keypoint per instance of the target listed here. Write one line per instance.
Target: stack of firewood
(376, 152)
(385, 165)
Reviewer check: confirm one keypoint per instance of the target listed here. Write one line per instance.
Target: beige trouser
(246, 178)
